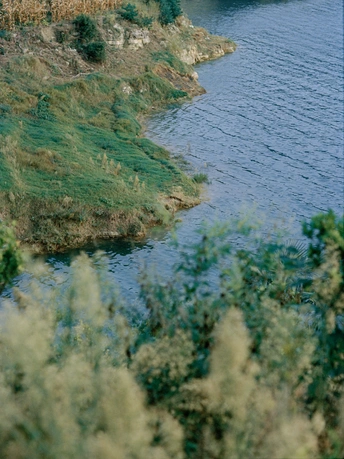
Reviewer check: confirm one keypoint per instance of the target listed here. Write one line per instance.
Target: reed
(13, 12)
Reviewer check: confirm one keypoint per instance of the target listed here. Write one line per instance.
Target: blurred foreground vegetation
(247, 365)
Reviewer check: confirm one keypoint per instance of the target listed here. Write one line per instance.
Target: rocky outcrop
(137, 38)
(202, 48)
(187, 83)
(116, 36)
(133, 38)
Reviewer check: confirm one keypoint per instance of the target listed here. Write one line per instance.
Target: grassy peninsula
(74, 164)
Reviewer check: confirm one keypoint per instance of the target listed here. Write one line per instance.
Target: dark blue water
(269, 131)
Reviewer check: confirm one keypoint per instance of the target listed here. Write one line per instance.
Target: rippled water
(269, 131)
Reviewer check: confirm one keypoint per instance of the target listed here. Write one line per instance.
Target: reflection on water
(268, 133)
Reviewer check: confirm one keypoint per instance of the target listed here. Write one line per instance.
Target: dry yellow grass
(14, 12)
(67, 9)
(22, 11)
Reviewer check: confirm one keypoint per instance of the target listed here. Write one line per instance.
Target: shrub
(230, 358)
(130, 13)
(169, 11)
(200, 178)
(175, 8)
(4, 34)
(144, 21)
(61, 36)
(86, 28)
(94, 51)
(166, 15)
(42, 109)
(4, 108)
(10, 256)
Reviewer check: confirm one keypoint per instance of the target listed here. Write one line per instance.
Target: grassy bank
(73, 163)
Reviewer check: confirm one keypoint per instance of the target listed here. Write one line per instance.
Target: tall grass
(14, 12)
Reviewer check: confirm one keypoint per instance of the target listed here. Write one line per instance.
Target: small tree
(175, 8)
(86, 28)
(166, 14)
(10, 256)
(129, 12)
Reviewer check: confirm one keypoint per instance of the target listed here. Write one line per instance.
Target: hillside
(74, 164)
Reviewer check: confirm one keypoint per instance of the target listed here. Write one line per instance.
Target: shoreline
(102, 178)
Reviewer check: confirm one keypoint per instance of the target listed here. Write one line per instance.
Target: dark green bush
(175, 8)
(95, 51)
(10, 256)
(61, 36)
(4, 108)
(89, 44)
(166, 15)
(42, 109)
(144, 21)
(86, 28)
(324, 230)
(169, 11)
(130, 13)
(5, 34)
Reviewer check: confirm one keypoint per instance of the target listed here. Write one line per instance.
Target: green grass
(80, 140)
(172, 61)
(73, 162)
(200, 178)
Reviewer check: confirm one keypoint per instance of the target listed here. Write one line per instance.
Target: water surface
(269, 131)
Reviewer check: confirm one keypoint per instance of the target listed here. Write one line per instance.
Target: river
(268, 133)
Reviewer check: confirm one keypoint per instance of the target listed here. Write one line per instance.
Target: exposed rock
(194, 54)
(189, 55)
(173, 29)
(48, 34)
(137, 38)
(187, 83)
(183, 21)
(127, 89)
(116, 36)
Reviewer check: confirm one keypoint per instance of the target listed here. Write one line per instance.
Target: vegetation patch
(249, 366)
(130, 13)
(73, 163)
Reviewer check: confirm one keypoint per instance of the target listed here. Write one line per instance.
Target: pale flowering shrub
(239, 354)
(65, 389)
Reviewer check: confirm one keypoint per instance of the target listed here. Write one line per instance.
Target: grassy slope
(72, 163)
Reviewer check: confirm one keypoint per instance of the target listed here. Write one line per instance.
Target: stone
(137, 38)
(48, 34)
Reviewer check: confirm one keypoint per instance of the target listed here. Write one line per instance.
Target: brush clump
(244, 367)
